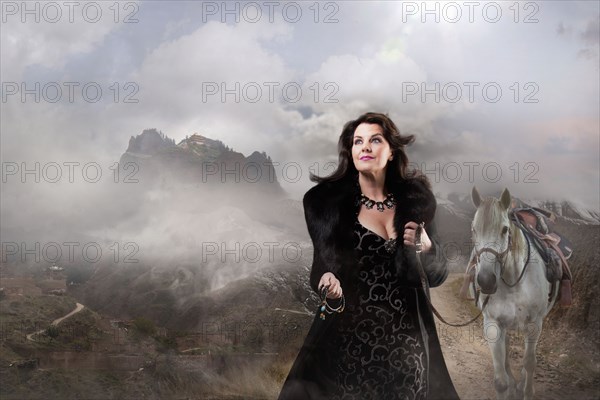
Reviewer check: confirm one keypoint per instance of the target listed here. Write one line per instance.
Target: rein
(504, 255)
(425, 283)
(524, 266)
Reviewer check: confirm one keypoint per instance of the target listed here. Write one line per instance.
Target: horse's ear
(505, 200)
(476, 197)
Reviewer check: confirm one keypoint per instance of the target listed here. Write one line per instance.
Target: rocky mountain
(197, 159)
(149, 143)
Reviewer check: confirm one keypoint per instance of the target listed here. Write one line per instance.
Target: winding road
(57, 321)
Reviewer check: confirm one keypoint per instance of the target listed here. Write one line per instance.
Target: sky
(497, 94)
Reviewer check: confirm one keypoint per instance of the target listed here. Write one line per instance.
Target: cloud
(224, 82)
(588, 35)
(365, 58)
(591, 34)
(50, 44)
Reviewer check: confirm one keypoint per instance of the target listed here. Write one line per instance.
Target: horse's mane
(491, 211)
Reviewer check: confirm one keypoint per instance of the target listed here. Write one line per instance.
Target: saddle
(554, 249)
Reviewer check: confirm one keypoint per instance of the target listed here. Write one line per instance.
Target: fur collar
(337, 200)
(331, 210)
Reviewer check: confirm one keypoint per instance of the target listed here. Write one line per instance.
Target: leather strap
(425, 283)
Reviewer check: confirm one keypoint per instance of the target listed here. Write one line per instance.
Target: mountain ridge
(199, 159)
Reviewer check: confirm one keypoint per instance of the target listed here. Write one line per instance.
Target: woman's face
(370, 150)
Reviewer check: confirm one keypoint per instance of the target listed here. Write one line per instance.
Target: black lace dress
(375, 348)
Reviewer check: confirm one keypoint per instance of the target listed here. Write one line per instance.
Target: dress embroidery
(380, 348)
(390, 244)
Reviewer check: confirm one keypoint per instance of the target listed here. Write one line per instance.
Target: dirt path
(469, 359)
(57, 321)
(466, 352)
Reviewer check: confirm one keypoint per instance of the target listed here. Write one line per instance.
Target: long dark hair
(397, 168)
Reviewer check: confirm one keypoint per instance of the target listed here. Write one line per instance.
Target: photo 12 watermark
(250, 172)
(452, 12)
(490, 332)
(70, 92)
(54, 252)
(253, 172)
(68, 172)
(270, 92)
(471, 92)
(252, 12)
(53, 12)
(472, 171)
(250, 251)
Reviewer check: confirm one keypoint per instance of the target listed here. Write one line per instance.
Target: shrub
(144, 325)
(52, 332)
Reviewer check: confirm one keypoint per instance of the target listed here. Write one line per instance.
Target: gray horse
(510, 274)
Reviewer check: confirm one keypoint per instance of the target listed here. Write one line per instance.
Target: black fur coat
(330, 211)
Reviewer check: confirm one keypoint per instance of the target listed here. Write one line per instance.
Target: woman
(383, 344)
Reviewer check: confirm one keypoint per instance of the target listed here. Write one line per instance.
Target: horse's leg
(511, 379)
(495, 336)
(534, 329)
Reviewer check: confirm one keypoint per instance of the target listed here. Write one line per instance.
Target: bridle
(425, 283)
(503, 256)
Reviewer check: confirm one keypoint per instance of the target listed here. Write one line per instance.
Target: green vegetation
(80, 331)
(27, 314)
(165, 343)
(52, 332)
(144, 326)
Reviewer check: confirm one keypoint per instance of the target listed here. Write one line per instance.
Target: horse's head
(491, 238)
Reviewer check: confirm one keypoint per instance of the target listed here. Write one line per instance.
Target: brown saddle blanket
(539, 223)
(554, 248)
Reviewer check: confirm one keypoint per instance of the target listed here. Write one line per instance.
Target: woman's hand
(335, 288)
(410, 230)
